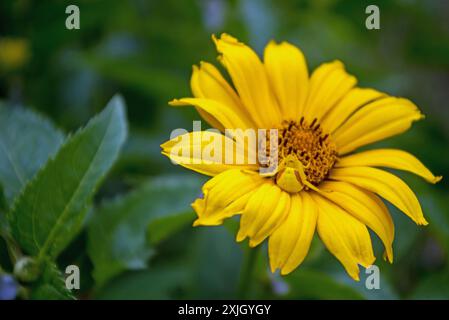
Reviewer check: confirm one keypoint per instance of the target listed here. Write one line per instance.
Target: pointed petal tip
(225, 38)
(175, 102)
(388, 256)
(228, 38)
(423, 222)
(436, 179)
(196, 206)
(254, 243)
(240, 237)
(215, 39)
(285, 271)
(272, 42)
(368, 262)
(420, 220)
(164, 145)
(165, 153)
(338, 62)
(355, 276)
(205, 222)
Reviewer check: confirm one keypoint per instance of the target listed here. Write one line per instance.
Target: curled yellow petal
(224, 196)
(208, 83)
(209, 153)
(250, 79)
(385, 184)
(224, 115)
(265, 211)
(365, 207)
(344, 236)
(288, 75)
(390, 158)
(290, 243)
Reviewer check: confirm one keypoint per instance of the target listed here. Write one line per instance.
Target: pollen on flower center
(314, 149)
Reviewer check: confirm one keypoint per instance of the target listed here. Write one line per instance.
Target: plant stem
(13, 249)
(247, 273)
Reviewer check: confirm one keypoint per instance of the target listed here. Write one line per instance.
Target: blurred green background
(138, 242)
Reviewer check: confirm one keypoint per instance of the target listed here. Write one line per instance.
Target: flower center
(305, 155)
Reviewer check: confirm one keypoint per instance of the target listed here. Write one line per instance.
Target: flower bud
(26, 269)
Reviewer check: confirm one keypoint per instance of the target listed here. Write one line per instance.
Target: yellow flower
(14, 53)
(319, 183)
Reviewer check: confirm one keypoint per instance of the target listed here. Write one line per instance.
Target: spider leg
(311, 186)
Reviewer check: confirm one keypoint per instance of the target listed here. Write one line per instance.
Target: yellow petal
(390, 158)
(365, 207)
(385, 184)
(224, 115)
(376, 121)
(250, 79)
(288, 75)
(289, 244)
(224, 196)
(264, 212)
(344, 236)
(209, 153)
(355, 99)
(329, 83)
(208, 83)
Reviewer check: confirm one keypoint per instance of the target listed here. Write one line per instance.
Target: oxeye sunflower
(320, 184)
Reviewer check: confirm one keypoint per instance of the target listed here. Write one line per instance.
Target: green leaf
(161, 228)
(117, 234)
(52, 207)
(140, 77)
(3, 208)
(434, 287)
(153, 283)
(27, 140)
(217, 261)
(434, 203)
(50, 285)
(3, 205)
(309, 284)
